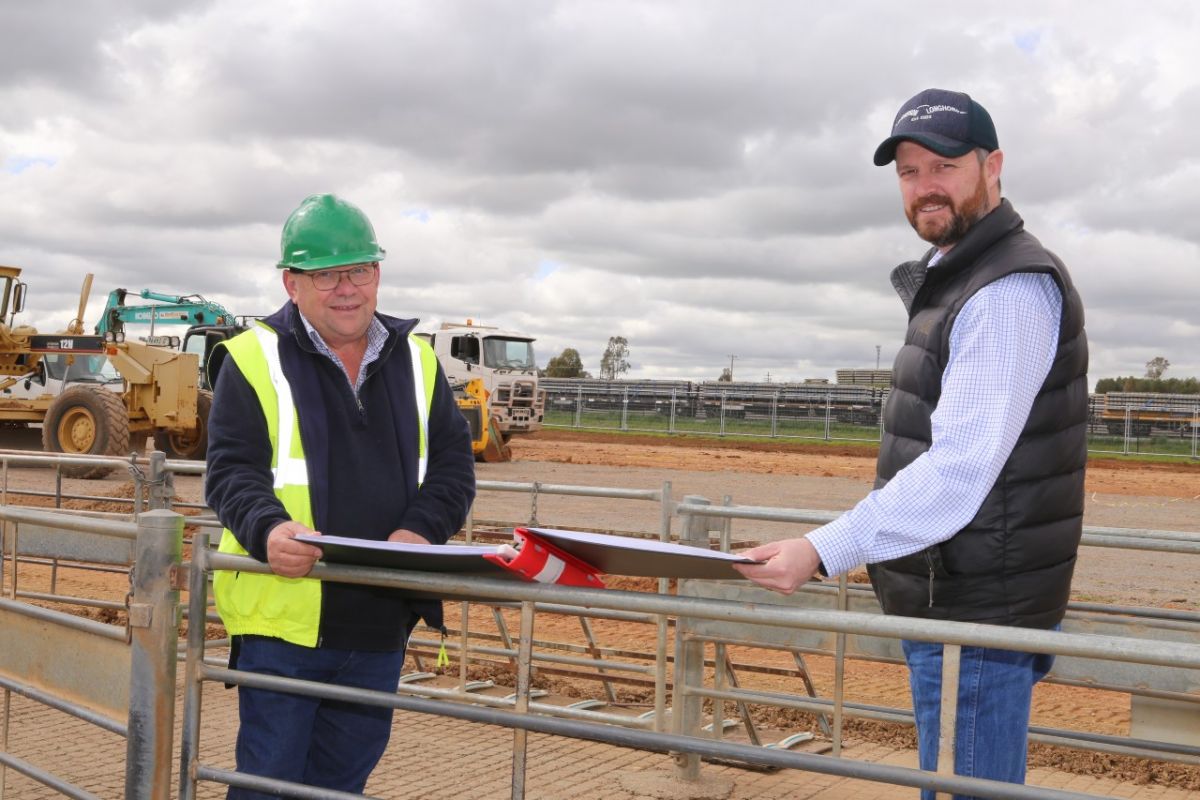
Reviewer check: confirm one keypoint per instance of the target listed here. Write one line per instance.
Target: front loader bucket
(496, 450)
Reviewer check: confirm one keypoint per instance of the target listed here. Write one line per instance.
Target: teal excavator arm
(170, 310)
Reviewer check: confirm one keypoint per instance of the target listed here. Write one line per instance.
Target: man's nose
(923, 184)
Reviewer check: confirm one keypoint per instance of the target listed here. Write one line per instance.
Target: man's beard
(944, 234)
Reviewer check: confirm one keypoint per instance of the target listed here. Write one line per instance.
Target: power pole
(876, 358)
(731, 358)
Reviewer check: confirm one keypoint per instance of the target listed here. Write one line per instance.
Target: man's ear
(993, 165)
(289, 284)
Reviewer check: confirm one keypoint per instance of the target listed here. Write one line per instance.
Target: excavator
(208, 323)
(170, 309)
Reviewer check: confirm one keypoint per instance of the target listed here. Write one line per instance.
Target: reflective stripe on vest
(287, 468)
(291, 470)
(424, 399)
(268, 605)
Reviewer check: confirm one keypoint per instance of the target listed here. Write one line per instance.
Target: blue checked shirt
(1002, 346)
(376, 337)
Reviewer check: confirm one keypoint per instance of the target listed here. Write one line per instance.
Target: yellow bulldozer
(94, 394)
(487, 443)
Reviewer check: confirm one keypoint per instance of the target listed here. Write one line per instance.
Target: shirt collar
(377, 335)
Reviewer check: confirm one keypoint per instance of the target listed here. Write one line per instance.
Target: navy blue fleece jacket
(362, 463)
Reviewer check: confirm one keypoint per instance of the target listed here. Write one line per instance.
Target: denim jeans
(994, 692)
(325, 743)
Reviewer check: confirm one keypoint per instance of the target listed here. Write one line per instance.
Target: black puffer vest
(1012, 563)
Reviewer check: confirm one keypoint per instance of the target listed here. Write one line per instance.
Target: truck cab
(504, 361)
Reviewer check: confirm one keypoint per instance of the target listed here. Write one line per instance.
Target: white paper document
(613, 555)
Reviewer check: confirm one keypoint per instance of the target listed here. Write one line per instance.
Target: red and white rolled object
(538, 560)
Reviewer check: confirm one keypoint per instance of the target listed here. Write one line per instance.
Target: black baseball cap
(948, 123)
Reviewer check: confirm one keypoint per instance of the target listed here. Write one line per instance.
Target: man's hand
(287, 557)
(789, 563)
(407, 537)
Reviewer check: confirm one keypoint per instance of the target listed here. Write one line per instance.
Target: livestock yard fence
(1118, 422)
(121, 677)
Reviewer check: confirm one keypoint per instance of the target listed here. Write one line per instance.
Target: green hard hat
(326, 231)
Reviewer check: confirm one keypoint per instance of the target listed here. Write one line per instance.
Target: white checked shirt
(376, 338)
(1002, 346)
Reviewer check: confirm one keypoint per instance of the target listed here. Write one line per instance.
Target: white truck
(504, 361)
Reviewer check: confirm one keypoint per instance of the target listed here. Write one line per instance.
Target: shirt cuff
(836, 546)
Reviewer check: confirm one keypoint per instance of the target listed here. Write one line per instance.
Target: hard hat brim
(334, 260)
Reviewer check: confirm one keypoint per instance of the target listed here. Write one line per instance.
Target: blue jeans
(994, 692)
(325, 743)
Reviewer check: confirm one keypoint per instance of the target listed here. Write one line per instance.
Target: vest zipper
(929, 561)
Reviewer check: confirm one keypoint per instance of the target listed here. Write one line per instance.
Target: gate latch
(140, 615)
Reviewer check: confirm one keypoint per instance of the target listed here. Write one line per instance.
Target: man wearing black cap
(977, 510)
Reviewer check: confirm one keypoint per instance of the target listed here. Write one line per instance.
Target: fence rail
(1147, 652)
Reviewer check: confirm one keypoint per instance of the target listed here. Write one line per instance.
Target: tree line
(1157, 385)
(613, 364)
(1152, 381)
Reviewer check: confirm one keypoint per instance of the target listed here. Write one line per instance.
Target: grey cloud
(61, 42)
(700, 171)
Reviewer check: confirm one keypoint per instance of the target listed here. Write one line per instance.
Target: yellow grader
(62, 382)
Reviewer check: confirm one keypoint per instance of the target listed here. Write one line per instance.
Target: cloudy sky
(694, 176)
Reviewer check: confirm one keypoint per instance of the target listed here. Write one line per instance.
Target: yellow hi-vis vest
(270, 605)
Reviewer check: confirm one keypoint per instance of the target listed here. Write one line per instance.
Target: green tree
(567, 364)
(726, 375)
(1156, 366)
(615, 361)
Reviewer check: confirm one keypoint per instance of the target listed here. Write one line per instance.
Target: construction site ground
(433, 757)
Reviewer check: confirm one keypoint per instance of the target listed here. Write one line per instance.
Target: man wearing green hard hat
(327, 417)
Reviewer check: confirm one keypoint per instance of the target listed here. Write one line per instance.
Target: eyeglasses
(327, 279)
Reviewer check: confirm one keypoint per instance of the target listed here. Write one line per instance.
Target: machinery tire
(86, 421)
(188, 445)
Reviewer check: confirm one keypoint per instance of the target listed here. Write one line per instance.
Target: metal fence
(1149, 653)
(685, 736)
(1118, 423)
(119, 678)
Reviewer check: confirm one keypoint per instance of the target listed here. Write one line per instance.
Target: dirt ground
(1120, 492)
(1174, 479)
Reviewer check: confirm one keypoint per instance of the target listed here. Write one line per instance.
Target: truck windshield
(502, 353)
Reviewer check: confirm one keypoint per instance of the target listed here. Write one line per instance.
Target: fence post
(774, 414)
(193, 687)
(881, 405)
(578, 405)
(828, 412)
(161, 481)
(625, 410)
(722, 412)
(948, 726)
(671, 425)
(521, 705)
(154, 636)
(1195, 428)
(689, 657)
(662, 623)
